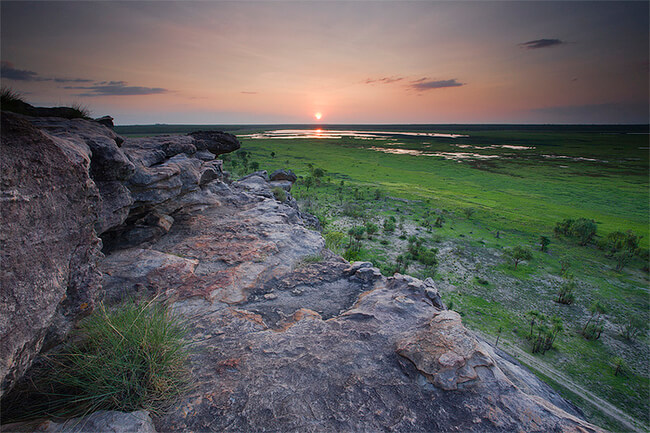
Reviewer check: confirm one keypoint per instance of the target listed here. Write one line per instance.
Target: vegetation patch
(128, 358)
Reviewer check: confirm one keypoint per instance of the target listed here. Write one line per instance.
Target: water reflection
(456, 156)
(325, 133)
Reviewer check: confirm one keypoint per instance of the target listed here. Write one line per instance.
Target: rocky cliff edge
(286, 335)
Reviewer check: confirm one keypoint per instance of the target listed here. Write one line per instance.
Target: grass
(10, 100)
(128, 358)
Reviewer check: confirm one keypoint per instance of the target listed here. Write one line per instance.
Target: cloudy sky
(354, 62)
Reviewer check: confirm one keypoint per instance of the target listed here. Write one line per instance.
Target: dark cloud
(117, 88)
(541, 43)
(383, 80)
(422, 85)
(71, 80)
(9, 72)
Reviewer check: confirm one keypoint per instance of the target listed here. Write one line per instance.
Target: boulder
(445, 352)
(106, 121)
(284, 175)
(49, 249)
(108, 162)
(217, 142)
(284, 184)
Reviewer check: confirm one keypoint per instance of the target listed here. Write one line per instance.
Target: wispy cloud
(541, 43)
(116, 88)
(383, 80)
(424, 84)
(9, 72)
(248, 93)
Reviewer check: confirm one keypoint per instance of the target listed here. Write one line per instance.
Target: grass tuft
(133, 357)
(10, 100)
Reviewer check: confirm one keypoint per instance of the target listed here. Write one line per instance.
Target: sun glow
(318, 115)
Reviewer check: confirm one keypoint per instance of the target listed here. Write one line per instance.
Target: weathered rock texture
(48, 245)
(287, 336)
(99, 422)
(64, 182)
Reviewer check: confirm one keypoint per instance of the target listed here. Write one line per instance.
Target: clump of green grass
(279, 194)
(133, 357)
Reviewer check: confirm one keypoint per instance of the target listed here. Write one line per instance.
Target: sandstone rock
(98, 422)
(115, 205)
(108, 162)
(106, 121)
(216, 142)
(284, 175)
(49, 250)
(445, 352)
(284, 184)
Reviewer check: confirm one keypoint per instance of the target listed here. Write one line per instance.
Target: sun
(318, 115)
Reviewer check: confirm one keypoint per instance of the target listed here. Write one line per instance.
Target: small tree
(254, 165)
(371, 229)
(469, 211)
(308, 182)
(439, 222)
(566, 293)
(632, 327)
(619, 365)
(544, 241)
(593, 327)
(565, 264)
(272, 154)
(356, 233)
(532, 317)
(518, 254)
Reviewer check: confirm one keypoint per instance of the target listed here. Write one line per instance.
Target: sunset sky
(354, 62)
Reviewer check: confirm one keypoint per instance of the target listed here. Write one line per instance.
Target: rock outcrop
(49, 248)
(286, 336)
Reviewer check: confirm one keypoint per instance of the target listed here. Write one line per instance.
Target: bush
(334, 240)
(566, 293)
(279, 194)
(389, 225)
(130, 358)
(518, 254)
(582, 229)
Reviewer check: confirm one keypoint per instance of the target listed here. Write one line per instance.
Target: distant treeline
(242, 129)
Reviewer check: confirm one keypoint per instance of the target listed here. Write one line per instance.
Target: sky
(215, 62)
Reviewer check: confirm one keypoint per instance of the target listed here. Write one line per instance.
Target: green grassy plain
(519, 195)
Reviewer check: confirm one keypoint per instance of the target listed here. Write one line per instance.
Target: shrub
(279, 194)
(371, 229)
(593, 327)
(621, 246)
(130, 358)
(334, 240)
(518, 254)
(566, 293)
(544, 241)
(469, 211)
(582, 229)
(389, 225)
